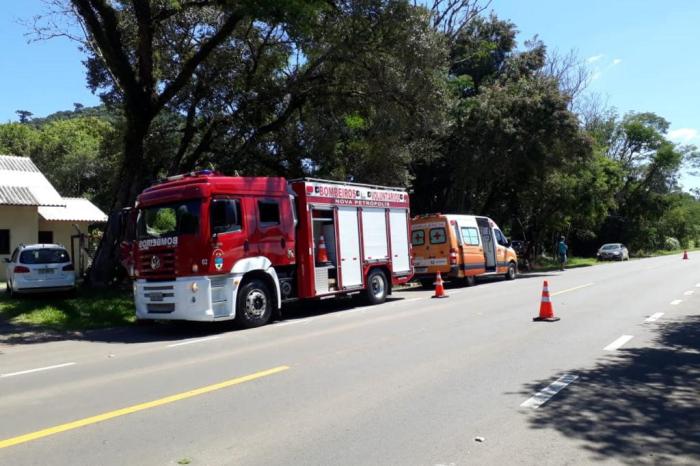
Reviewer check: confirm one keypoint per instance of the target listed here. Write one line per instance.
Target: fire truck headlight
(195, 268)
(194, 287)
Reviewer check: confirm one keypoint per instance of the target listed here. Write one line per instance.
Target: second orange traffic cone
(439, 287)
(546, 308)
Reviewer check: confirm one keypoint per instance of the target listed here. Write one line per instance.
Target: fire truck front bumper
(203, 299)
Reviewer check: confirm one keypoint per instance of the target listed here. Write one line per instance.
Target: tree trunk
(106, 267)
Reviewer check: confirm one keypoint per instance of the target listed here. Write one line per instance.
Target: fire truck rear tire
(377, 287)
(254, 304)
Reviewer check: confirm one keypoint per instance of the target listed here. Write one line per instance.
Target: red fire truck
(211, 247)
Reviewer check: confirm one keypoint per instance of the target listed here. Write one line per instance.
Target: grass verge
(89, 309)
(546, 264)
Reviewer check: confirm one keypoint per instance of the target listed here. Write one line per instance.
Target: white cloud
(596, 75)
(683, 135)
(594, 58)
(616, 61)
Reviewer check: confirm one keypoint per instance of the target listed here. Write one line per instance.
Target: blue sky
(642, 53)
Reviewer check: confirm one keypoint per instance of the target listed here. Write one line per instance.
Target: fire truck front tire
(254, 304)
(377, 287)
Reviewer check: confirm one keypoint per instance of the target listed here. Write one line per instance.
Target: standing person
(562, 249)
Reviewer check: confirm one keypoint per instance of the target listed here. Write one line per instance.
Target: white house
(32, 211)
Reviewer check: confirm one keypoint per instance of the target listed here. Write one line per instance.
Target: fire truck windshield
(169, 219)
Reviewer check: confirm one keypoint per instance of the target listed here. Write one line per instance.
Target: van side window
(500, 237)
(225, 215)
(269, 213)
(470, 236)
(418, 237)
(438, 236)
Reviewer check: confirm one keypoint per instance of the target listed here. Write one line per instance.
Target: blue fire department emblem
(219, 259)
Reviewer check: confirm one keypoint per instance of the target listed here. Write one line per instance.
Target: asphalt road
(416, 381)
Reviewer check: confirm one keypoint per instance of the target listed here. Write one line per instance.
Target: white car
(39, 268)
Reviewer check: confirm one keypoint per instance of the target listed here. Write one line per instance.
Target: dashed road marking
(547, 393)
(572, 289)
(618, 343)
(676, 302)
(689, 292)
(654, 317)
(196, 340)
(38, 369)
(292, 322)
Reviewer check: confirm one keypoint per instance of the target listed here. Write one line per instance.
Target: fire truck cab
(212, 247)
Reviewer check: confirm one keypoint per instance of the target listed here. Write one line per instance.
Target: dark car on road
(613, 251)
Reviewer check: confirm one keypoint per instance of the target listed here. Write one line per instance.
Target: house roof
(75, 210)
(21, 183)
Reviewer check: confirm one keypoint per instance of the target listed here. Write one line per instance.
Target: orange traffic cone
(685, 255)
(546, 309)
(439, 288)
(321, 254)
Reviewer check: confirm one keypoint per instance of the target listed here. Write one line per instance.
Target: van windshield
(174, 219)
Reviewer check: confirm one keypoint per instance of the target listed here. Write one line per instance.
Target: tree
(139, 63)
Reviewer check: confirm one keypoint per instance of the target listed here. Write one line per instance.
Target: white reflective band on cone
(545, 299)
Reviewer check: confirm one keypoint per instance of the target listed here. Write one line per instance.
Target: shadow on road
(14, 334)
(642, 407)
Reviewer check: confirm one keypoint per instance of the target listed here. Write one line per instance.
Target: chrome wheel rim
(377, 286)
(255, 304)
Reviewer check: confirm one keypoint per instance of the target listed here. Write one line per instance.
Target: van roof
(449, 216)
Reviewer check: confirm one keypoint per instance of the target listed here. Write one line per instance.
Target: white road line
(676, 302)
(697, 285)
(197, 340)
(297, 321)
(689, 292)
(654, 317)
(544, 395)
(618, 343)
(12, 374)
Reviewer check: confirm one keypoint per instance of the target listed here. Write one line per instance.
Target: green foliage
(163, 222)
(90, 309)
(78, 154)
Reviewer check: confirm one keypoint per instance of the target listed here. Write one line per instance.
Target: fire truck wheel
(377, 287)
(470, 280)
(510, 274)
(254, 306)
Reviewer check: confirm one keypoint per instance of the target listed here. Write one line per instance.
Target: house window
(4, 241)
(46, 237)
(269, 213)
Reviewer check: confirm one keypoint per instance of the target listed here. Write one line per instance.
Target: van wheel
(377, 287)
(510, 274)
(254, 304)
(10, 292)
(426, 283)
(470, 280)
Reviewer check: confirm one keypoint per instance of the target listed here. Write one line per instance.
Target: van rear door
(431, 247)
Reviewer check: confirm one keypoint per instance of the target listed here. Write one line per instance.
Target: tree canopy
(444, 99)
